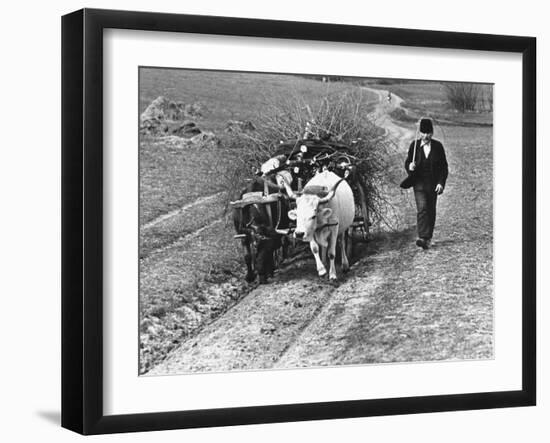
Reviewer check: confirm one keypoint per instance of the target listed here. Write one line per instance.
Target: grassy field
(171, 176)
(424, 98)
(244, 95)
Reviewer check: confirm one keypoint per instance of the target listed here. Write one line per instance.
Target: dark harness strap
(326, 225)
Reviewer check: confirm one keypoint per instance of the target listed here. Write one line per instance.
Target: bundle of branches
(340, 117)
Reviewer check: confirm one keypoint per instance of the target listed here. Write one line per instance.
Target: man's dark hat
(426, 126)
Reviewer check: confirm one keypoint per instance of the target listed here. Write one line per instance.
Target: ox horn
(331, 193)
(289, 190)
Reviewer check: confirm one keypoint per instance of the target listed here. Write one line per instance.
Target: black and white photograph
(294, 221)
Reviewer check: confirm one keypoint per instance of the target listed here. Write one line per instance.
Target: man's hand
(439, 189)
(412, 166)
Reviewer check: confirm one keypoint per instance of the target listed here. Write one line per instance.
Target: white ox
(322, 220)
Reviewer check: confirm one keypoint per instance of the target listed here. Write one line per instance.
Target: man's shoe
(422, 243)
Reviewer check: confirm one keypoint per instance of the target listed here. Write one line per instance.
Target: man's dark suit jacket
(437, 162)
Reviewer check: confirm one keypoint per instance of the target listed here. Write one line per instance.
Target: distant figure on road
(389, 97)
(427, 165)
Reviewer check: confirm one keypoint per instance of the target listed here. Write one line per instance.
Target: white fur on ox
(321, 221)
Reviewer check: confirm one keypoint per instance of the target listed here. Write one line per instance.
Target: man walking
(427, 166)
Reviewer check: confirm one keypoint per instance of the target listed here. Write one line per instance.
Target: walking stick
(409, 181)
(415, 143)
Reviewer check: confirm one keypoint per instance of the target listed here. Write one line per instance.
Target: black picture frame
(82, 218)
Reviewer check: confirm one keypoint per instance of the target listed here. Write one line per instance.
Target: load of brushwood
(342, 117)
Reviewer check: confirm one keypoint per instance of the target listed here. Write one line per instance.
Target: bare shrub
(342, 114)
(486, 100)
(463, 96)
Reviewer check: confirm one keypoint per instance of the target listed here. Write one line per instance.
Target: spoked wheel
(348, 239)
(278, 257)
(361, 221)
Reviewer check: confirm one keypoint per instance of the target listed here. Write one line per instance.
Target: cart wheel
(348, 239)
(278, 257)
(364, 210)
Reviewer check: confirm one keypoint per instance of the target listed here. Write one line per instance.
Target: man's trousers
(425, 212)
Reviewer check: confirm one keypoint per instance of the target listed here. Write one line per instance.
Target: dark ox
(255, 223)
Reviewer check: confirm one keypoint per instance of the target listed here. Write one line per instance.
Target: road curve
(381, 117)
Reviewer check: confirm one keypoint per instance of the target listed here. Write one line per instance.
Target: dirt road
(381, 116)
(398, 302)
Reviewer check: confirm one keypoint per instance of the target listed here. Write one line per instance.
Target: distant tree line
(333, 78)
(466, 97)
(463, 96)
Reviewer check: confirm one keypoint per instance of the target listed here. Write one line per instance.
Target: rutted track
(183, 222)
(185, 238)
(181, 212)
(258, 329)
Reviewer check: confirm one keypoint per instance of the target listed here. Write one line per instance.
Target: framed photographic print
(270, 221)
